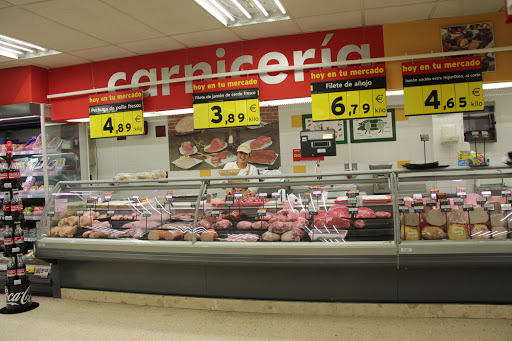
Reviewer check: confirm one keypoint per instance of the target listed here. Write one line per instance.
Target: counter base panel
(308, 283)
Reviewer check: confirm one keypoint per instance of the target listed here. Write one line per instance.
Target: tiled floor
(63, 319)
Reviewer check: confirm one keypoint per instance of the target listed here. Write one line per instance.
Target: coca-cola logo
(17, 207)
(19, 298)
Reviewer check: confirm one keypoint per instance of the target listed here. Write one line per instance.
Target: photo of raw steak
(266, 157)
(365, 212)
(216, 145)
(260, 142)
(187, 147)
(217, 159)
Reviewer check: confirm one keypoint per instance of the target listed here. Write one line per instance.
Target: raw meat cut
(156, 235)
(292, 236)
(244, 225)
(304, 214)
(266, 157)
(172, 234)
(204, 223)
(412, 219)
(382, 214)
(457, 231)
(471, 198)
(496, 204)
(222, 224)
(335, 222)
(436, 217)
(498, 220)
(499, 232)
(187, 147)
(209, 236)
(260, 225)
(339, 211)
(359, 223)
(432, 233)
(260, 142)
(412, 232)
(478, 216)
(320, 222)
(303, 221)
(188, 236)
(364, 213)
(215, 145)
(280, 227)
(270, 237)
(458, 217)
(277, 217)
(480, 231)
(298, 225)
(217, 159)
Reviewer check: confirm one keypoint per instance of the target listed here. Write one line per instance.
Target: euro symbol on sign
(379, 98)
(137, 118)
(253, 107)
(476, 91)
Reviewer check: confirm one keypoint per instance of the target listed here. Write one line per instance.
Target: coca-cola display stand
(17, 286)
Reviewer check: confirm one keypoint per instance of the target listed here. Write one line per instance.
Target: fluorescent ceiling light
(19, 49)
(222, 9)
(242, 9)
(7, 119)
(280, 6)
(244, 12)
(260, 7)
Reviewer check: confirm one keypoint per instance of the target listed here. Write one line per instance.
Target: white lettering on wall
(281, 62)
(166, 74)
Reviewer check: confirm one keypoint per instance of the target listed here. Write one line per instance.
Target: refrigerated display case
(301, 237)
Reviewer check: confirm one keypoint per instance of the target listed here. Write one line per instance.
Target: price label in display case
(404, 209)
(445, 208)
(79, 213)
(468, 207)
(221, 103)
(116, 114)
(353, 210)
(349, 92)
(505, 193)
(108, 196)
(443, 86)
(262, 195)
(90, 203)
(442, 196)
(461, 191)
(215, 213)
(110, 213)
(316, 190)
(458, 201)
(433, 193)
(481, 201)
(262, 212)
(506, 207)
(489, 207)
(419, 209)
(230, 199)
(238, 193)
(431, 203)
(168, 196)
(486, 194)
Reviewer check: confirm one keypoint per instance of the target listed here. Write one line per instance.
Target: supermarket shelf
(32, 217)
(32, 195)
(27, 239)
(33, 152)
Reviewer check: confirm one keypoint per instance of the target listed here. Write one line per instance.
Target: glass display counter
(322, 230)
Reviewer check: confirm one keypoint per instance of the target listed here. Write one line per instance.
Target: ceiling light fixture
(280, 6)
(222, 9)
(237, 13)
(242, 9)
(19, 49)
(260, 7)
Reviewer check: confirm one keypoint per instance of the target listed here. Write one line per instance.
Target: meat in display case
(331, 211)
(326, 231)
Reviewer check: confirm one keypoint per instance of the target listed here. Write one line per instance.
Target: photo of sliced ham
(216, 145)
(261, 142)
(265, 157)
(187, 148)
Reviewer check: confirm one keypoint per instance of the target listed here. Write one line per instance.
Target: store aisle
(61, 319)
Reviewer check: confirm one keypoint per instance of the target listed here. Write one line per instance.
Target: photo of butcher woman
(242, 154)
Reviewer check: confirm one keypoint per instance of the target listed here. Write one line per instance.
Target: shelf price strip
(116, 114)
(221, 103)
(443, 86)
(346, 93)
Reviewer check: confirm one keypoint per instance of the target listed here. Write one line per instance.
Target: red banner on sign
(268, 53)
(115, 97)
(353, 72)
(442, 65)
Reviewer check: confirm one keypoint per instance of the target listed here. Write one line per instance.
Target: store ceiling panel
(91, 30)
(96, 19)
(211, 37)
(334, 21)
(388, 15)
(103, 53)
(153, 45)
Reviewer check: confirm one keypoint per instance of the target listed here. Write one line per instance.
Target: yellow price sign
(347, 93)
(226, 114)
(222, 103)
(116, 114)
(118, 124)
(443, 86)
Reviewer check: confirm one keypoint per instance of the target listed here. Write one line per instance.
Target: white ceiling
(94, 30)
